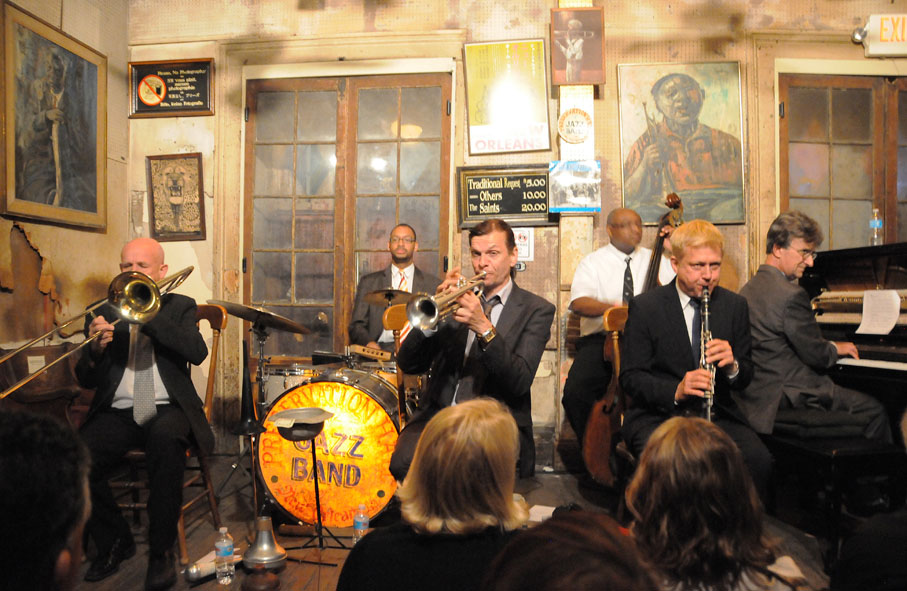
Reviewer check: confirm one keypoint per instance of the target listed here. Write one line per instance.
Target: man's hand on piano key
(847, 350)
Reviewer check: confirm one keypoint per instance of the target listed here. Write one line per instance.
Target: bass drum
(353, 450)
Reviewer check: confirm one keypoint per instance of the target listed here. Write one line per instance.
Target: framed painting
(54, 105)
(176, 197)
(577, 46)
(507, 97)
(680, 132)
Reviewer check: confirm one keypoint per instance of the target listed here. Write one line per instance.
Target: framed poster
(176, 197)
(507, 96)
(577, 46)
(54, 101)
(680, 132)
(171, 88)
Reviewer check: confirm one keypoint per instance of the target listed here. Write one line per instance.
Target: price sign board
(517, 194)
(171, 89)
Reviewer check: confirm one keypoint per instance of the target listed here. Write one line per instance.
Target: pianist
(791, 358)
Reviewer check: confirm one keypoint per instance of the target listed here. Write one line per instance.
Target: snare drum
(280, 377)
(386, 370)
(353, 450)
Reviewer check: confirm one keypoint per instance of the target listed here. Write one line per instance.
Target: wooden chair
(394, 319)
(197, 484)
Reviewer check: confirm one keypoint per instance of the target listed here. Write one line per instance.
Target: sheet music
(881, 308)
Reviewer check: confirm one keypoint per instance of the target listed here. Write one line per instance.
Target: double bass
(604, 420)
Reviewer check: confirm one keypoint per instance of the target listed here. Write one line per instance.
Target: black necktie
(472, 367)
(697, 331)
(628, 283)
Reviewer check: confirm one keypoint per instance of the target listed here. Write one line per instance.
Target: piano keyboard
(873, 363)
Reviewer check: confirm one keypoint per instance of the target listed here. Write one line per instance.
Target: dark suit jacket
(508, 365)
(177, 343)
(366, 323)
(788, 349)
(656, 354)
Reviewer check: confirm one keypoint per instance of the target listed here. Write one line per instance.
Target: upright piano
(836, 284)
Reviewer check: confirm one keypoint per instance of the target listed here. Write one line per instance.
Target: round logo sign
(574, 125)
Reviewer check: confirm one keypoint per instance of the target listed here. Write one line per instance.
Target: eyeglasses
(406, 239)
(807, 253)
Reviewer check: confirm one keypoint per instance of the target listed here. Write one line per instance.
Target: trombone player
(489, 346)
(144, 398)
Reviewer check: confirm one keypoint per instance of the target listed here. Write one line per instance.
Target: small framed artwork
(171, 88)
(507, 96)
(53, 106)
(680, 132)
(176, 197)
(577, 46)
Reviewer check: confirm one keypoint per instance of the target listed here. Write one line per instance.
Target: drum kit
(356, 401)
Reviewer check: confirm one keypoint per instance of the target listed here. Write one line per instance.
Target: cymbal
(261, 317)
(388, 297)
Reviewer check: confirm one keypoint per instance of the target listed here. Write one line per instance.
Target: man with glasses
(366, 327)
(660, 350)
(791, 358)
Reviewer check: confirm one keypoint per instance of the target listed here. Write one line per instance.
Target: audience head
(697, 249)
(574, 550)
(462, 475)
(697, 517)
(44, 502)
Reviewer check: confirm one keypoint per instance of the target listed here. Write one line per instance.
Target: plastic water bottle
(875, 228)
(223, 558)
(360, 523)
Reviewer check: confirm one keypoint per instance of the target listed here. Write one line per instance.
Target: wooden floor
(546, 488)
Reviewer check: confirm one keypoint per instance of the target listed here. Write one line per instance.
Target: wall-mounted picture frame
(169, 88)
(680, 132)
(577, 46)
(507, 96)
(176, 197)
(516, 193)
(54, 105)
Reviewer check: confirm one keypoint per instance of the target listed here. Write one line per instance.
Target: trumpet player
(144, 398)
(490, 345)
(661, 350)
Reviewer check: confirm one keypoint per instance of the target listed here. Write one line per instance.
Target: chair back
(395, 319)
(217, 319)
(614, 320)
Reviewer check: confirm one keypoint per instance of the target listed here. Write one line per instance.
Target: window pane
(376, 168)
(421, 109)
(317, 116)
(273, 170)
(422, 214)
(369, 262)
(375, 218)
(295, 345)
(902, 221)
(315, 277)
(851, 114)
(272, 223)
(808, 116)
(315, 169)
(274, 116)
(850, 223)
(817, 209)
(808, 169)
(427, 261)
(377, 113)
(902, 174)
(902, 118)
(271, 277)
(420, 167)
(851, 171)
(315, 224)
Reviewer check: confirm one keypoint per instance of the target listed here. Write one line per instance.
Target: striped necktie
(143, 408)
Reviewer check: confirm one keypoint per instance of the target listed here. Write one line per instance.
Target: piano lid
(857, 269)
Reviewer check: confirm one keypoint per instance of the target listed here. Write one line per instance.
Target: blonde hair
(462, 475)
(695, 234)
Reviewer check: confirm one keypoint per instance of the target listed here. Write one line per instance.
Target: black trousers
(587, 381)
(109, 435)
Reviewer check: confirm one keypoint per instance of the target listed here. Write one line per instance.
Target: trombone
(135, 298)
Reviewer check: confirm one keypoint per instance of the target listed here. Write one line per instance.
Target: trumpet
(705, 337)
(426, 312)
(135, 298)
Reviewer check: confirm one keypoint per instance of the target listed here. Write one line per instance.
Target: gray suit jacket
(788, 349)
(366, 322)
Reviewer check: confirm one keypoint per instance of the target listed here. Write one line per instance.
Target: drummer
(366, 327)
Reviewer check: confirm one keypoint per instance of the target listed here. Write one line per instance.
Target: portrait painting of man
(681, 133)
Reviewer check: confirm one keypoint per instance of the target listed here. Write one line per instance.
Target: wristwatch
(486, 337)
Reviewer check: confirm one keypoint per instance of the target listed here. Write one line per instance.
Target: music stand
(304, 424)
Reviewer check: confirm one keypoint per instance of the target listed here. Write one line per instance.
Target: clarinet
(706, 336)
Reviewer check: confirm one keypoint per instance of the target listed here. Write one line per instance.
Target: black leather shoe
(161, 572)
(109, 562)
